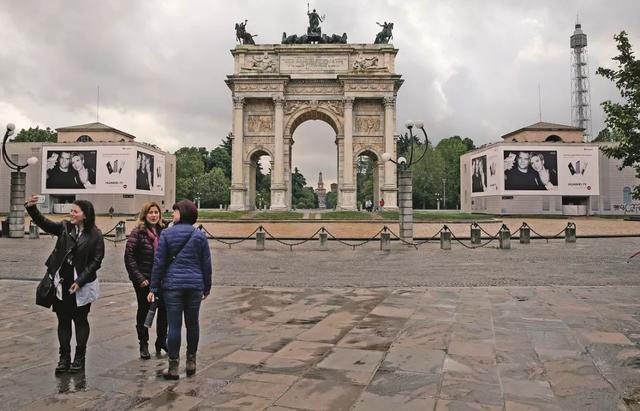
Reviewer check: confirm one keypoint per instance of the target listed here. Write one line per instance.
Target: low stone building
(545, 168)
(118, 172)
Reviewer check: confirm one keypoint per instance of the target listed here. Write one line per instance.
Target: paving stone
(372, 402)
(320, 395)
(471, 349)
(481, 370)
(352, 360)
(404, 383)
(461, 390)
(303, 351)
(416, 359)
(247, 357)
(447, 405)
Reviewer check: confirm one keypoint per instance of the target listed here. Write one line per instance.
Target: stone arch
(377, 171)
(251, 167)
(312, 113)
(553, 138)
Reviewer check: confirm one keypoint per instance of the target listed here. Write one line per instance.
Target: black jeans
(177, 303)
(79, 318)
(141, 315)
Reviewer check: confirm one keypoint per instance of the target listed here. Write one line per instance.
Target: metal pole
(406, 203)
(444, 194)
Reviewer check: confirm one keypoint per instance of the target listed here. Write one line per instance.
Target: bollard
(476, 237)
(525, 234)
(323, 241)
(33, 231)
(260, 240)
(445, 240)
(120, 227)
(504, 235)
(570, 233)
(385, 241)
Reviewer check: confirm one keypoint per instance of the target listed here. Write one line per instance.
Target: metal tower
(580, 95)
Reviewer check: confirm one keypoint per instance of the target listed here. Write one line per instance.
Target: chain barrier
(375, 237)
(353, 246)
(210, 236)
(295, 243)
(114, 227)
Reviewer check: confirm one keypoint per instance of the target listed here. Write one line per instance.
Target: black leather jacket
(89, 248)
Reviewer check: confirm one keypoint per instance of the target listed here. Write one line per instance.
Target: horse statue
(242, 35)
(385, 35)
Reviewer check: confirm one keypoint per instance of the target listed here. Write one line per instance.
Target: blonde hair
(142, 215)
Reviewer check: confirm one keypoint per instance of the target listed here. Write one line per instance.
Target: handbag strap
(173, 258)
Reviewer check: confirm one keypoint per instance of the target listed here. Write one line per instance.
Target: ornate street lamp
(18, 181)
(405, 187)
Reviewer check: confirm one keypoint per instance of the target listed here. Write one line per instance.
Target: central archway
(277, 87)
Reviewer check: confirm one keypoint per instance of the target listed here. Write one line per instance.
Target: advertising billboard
(109, 169)
(536, 170)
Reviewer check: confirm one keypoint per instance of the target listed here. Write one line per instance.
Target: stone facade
(275, 88)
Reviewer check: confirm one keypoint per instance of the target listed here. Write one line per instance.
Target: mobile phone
(571, 169)
(41, 199)
(109, 167)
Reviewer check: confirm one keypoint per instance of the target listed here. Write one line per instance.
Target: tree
(189, 167)
(220, 158)
(624, 118)
(36, 135)
(213, 188)
(606, 135)
(364, 179)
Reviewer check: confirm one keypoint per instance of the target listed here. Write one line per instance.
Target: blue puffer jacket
(191, 268)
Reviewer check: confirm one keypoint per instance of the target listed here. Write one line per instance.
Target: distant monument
(321, 192)
(242, 35)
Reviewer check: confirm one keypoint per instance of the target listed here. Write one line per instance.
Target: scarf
(154, 238)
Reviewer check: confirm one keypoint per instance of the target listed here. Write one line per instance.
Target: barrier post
(525, 234)
(476, 237)
(260, 235)
(504, 235)
(385, 241)
(570, 233)
(33, 230)
(445, 239)
(323, 240)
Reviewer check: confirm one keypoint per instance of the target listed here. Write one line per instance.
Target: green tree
(213, 188)
(331, 199)
(189, 167)
(624, 118)
(364, 179)
(220, 158)
(36, 135)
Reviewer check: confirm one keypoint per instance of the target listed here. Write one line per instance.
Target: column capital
(278, 100)
(238, 102)
(389, 102)
(348, 102)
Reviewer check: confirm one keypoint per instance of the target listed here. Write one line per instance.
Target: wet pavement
(344, 348)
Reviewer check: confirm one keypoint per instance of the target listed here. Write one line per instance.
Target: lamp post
(18, 181)
(444, 193)
(405, 186)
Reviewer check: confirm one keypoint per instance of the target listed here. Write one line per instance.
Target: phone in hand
(41, 199)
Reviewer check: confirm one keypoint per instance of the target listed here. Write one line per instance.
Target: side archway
(259, 182)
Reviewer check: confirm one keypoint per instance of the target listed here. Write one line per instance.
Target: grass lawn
(438, 216)
(277, 215)
(221, 215)
(346, 215)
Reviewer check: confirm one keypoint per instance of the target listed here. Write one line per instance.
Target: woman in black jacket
(138, 258)
(73, 264)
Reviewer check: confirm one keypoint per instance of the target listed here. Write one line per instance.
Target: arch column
(389, 187)
(348, 189)
(278, 187)
(238, 188)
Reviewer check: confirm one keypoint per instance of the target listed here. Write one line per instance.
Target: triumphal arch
(277, 87)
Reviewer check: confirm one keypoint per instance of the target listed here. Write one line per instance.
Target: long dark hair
(89, 214)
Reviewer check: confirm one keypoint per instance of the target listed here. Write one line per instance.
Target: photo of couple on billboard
(144, 171)
(71, 169)
(530, 170)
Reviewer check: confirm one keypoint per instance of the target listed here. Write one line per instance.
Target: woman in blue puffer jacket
(182, 273)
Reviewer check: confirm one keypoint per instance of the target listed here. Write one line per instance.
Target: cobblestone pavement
(587, 262)
(291, 348)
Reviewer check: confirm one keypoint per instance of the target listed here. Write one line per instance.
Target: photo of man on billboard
(70, 169)
(479, 174)
(144, 171)
(530, 170)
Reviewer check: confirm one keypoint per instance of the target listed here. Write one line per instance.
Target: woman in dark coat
(138, 258)
(182, 273)
(73, 264)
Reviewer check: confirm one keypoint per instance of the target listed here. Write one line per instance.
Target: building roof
(542, 126)
(97, 126)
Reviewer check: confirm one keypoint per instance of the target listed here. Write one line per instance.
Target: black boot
(64, 363)
(78, 361)
(160, 346)
(144, 351)
(191, 364)
(172, 373)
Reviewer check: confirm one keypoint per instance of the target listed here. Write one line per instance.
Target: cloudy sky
(471, 68)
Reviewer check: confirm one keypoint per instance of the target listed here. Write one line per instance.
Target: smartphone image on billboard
(109, 167)
(571, 169)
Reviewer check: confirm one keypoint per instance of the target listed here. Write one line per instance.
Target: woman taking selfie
(138, 259)
(73, 264)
